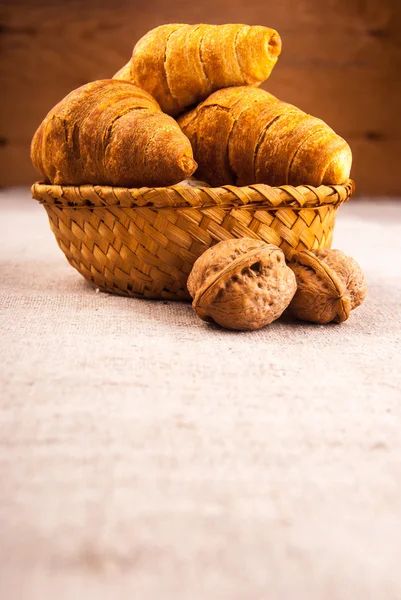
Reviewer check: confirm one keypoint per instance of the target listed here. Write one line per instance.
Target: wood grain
(340, 62)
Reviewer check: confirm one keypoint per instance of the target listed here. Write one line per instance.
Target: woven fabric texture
(145, 454)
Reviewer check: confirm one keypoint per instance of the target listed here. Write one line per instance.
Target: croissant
(124, 73)
(111, 132)
(244, 135)
(181, 65)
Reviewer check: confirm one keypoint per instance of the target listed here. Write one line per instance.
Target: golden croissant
(111, 132)
(180, 65)
(244, 135)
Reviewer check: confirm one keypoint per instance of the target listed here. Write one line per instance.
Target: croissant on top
(181, 65)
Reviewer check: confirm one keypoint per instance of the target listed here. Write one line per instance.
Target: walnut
(329, 285)
(241, 284)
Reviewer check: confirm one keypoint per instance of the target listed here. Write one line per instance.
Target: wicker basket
(143, 242)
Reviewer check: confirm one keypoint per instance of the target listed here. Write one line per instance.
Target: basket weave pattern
(144, 241)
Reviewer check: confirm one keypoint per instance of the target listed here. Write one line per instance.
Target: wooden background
(341, 61)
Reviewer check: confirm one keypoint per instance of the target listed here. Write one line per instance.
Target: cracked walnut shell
(329, 285)
(241, 284)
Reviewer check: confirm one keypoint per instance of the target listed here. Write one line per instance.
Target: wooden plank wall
(341, 61)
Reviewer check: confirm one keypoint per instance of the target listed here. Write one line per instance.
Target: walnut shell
(329, 285)
(241, 284)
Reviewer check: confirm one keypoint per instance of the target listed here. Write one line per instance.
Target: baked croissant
(244, 135)
(111, 132)
(124, 73)
(181, 65)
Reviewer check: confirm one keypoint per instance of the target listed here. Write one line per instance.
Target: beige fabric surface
(146, 455)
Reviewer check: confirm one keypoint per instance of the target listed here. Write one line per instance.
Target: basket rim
(259, 196)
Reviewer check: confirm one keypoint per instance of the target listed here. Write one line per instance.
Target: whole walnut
(241, 284)
(329, 285)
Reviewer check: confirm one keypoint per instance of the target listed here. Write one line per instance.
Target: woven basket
(143, 242)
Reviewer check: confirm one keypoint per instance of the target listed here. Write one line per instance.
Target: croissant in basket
(181, 65)
(243, 135)
(111, 132)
